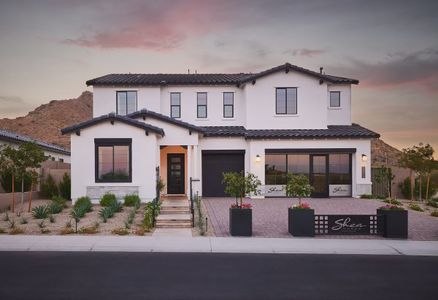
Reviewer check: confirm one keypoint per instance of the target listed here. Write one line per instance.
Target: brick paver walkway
(270, 216)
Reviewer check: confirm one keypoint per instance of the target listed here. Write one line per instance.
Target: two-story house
(285, 119)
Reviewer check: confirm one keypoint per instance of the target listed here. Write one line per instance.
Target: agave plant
(116, 206)
(41, 212)
(105, 213)
(77, 213)
(55, 208)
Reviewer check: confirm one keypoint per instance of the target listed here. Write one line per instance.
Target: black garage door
(214, 163)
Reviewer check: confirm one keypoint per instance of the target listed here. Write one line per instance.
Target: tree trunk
(13, 193)
(421, 188)
(412, 184)
(427, 187)
(30, 197)
(22, 194)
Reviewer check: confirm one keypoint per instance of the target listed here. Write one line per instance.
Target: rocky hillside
(383, 154)
(46, 121)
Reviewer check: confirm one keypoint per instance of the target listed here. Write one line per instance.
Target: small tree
(298, 186)
(49, 188)
(238, 185)
(410, 159)
(384, 175)
(65, 187)
(34, 180)
(8, 156)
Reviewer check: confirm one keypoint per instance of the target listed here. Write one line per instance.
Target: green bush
(131, 200)
(108, 200)
(366, 196)
(6, 182)
(392, 201)
(49, 189)
(405, 187)
(55, 208)
(432, 203)
(151, 210)
(415, 206)
(41, 212)
(434, 213)
(59, 200)
(84, 203)
(65, 186)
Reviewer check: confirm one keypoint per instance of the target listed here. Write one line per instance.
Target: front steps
(174, 214)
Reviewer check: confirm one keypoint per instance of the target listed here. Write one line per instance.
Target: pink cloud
(305, 52)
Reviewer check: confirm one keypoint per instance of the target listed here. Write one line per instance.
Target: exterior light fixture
(258, 158)
(364, 158)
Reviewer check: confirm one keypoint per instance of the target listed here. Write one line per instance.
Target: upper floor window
(202, 105)
(113, 160)
(228, 105)
(286, 101)
(335, 99)
(126, 102)
(175, 105)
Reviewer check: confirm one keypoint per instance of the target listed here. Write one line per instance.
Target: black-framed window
(175, 105)
(228, 105)
(113, 160)
(340, 168)
(201, 107)
(335, 99)
(286, 101)
(278, 165)
(126, 102)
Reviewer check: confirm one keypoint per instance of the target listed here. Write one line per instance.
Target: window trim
(224, 105)
(296, 101)
(172, 105)
(200, 105)
(330, 99)
(117, 101)
(111, 142)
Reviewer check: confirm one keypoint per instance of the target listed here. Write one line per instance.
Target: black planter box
(241, 221)
(393, 223)
(302, 222)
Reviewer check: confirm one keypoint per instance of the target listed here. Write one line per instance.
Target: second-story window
(126, 102)
(175, 105)
(286, 101)
(228, 105)
(335, 99)
(201, 105)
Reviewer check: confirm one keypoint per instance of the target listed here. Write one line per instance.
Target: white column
(195, 162)
(189, 169)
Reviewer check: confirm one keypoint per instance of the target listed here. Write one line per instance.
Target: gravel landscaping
(270, 215)
(63, 219)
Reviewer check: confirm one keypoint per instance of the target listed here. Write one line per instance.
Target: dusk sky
(50, 48)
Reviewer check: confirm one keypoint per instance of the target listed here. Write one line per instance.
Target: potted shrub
(301, 217)
(393, 221)
(238, 186)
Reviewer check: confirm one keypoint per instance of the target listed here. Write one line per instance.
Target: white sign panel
(339, 190)
(274, 191)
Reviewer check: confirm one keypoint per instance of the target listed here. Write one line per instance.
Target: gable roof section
(13, 137)
(154, 115)
(112, 118)
(333, 131)
(207, 79)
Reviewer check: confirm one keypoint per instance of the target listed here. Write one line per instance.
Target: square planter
(241, 221)
(301, 222)
(394, 223)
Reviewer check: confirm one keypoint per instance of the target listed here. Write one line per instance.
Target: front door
(175, 173)
(318, 175)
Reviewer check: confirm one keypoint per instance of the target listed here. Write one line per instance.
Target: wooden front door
(175, 173)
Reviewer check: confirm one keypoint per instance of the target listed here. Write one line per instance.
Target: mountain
(383, 154)
(45, 122)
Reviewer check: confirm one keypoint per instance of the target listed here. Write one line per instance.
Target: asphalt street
(87, 275)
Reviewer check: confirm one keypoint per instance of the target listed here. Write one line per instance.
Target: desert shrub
(415, 206)
(434, 213)
(84, 203)
(392, 201)
(366, 196)
(2, 231)
(432, 203)
(65, 186)
(120, 231)
(55, 208)
(139, 231)
(41, 212)
(77, 213)
(151, 210)
(45, 231)
(41, 224)
(105, 213)
(66, 230)
(11, 223)
(59, 200)
(49, 188)
(116, 206)
(6, 217)
(131, 200)
(23, 221)
(89, 230)
(16, 230)
(52, 219)
(108, 199)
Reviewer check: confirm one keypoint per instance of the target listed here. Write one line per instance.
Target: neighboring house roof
(333, 131)
(206, 79)
(13, 137)
(154, 115)
(112, 118)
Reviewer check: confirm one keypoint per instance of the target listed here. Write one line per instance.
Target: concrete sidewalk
(217, 245)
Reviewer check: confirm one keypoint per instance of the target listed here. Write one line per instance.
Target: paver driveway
(270, 215)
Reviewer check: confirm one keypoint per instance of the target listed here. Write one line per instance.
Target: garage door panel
(214, 164)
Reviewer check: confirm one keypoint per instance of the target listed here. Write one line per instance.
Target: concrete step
(175, 203)
(173, 225)
(174, 217)
(172, 211)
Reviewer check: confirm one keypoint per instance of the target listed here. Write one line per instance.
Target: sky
(49, 48)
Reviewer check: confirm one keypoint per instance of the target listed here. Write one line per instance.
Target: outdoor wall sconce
(258, 158)
(364, 158)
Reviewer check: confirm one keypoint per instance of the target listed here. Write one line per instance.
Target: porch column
(195, 162)
(189, 168)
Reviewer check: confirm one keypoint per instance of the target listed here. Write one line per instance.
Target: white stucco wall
(47, 153)
(311, 102)
(339, 115)
(144, 159)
